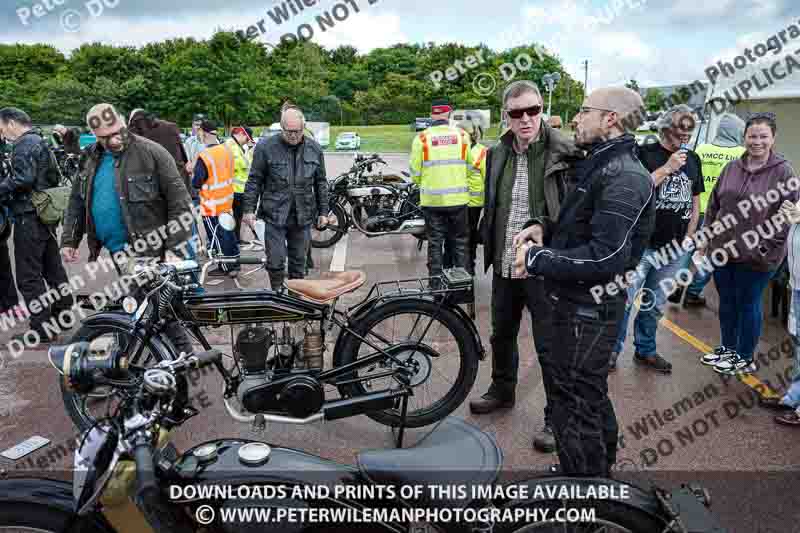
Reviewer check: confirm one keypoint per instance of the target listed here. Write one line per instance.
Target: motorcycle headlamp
(79, 363)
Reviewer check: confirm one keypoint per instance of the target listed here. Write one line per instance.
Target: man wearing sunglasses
(526, 177)
(288, 176)
(601, 232)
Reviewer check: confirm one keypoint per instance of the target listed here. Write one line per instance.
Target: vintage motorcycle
(129, 477)
(406, 355)
(375, 205)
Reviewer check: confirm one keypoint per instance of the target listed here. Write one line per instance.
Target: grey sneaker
(544, 441)
(720, 353)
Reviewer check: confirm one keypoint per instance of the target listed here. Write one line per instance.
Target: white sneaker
(720, 353)
(735, 365)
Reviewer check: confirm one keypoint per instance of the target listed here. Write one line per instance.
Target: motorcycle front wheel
(334, 232)
(84, 408)
(432, 341)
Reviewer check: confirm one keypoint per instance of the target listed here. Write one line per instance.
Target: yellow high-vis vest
(243, 159)
(714, 159)
(216, 194)
(477, 175)
(440, 157)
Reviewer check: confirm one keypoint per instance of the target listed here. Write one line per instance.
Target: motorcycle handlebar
(146, 484)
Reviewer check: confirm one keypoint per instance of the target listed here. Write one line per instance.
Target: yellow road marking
(748, 379)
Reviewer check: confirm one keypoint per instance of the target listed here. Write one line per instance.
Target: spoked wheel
(437, 351)
(586, 516)
(84, 408)
(333, 232)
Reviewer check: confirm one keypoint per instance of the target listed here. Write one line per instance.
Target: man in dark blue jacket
(601, 231)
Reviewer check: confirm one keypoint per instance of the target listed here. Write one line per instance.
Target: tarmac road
(696, 426)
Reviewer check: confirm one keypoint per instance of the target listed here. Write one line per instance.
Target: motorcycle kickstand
(402, 426)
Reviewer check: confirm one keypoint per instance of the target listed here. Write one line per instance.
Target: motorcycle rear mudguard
(367, 306)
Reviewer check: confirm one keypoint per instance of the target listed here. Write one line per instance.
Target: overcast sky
(656, 42)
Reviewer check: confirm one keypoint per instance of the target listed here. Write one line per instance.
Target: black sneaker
(694, 300)
(676, 296)
(656, 362)
(612, 363)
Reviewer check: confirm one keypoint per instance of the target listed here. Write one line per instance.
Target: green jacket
(559, 152)
(153, 199)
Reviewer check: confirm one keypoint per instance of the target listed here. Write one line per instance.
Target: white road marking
(340, 254)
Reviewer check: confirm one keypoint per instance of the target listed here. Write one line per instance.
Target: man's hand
(520, 263)
(189, 167)
(534, 234)
(791, 211)
(249, 219)
(70, 255)
(675, 162)
(322, 221)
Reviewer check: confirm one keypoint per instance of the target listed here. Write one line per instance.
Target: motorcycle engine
(383, 220)
(276, 370)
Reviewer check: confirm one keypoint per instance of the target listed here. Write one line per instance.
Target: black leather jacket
(603, 227)
(30, 171)
(273, 179)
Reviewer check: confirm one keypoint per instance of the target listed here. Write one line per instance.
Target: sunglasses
(530, 111)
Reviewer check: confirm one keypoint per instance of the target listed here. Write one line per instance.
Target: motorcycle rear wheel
(332, 235)
(429, 361)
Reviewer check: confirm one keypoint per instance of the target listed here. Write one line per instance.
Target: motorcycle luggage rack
(456, 284)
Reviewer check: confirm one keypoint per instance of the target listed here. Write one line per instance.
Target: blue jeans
(225, 242)
(700, 279)
(648, 283)
(740, 310)
(792, 395)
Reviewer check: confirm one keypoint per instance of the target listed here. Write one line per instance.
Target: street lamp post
(550, 80)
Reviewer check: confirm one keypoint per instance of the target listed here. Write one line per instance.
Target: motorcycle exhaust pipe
(413, 227)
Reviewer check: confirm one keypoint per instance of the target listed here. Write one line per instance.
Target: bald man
(603, 227)
(288, 176)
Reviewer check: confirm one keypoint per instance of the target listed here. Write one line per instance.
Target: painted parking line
(340, 254)
(748, 379)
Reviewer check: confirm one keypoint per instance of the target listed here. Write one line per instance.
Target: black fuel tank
(247, 307)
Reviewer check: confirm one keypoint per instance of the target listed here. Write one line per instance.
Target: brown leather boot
(488, 403)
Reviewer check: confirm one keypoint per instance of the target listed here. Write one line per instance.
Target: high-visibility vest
(440, 156)
(216, 195)
(477, 175)
(242, 159)
(714, 159)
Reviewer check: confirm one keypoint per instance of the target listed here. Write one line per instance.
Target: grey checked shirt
(518, 215)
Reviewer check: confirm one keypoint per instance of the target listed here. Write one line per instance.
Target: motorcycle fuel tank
(249, 307)
(374, 190)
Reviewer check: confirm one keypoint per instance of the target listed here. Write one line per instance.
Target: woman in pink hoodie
(749, 192)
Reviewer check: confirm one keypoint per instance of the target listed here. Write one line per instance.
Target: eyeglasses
(586, 109)
(530, 111)
(293, 132)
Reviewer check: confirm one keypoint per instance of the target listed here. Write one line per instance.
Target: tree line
(236, 80)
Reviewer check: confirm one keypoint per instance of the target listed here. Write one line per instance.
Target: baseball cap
(440, 106)
(199, 117)
(208, 126)
(103, 119)
(243, 129)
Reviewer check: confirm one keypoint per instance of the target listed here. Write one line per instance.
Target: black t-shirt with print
(673, 198)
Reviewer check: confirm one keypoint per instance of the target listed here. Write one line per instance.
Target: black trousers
(509, 298)
(292, 241)
(38, 263)
(473, 217)
(238, 214)
(447, 230)
(8, 288)
(582, 416)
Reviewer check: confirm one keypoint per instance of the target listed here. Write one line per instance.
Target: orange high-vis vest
(216, 195)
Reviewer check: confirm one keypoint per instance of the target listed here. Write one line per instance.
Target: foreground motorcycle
(128, 477)
(406, 355)
(375, 205)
